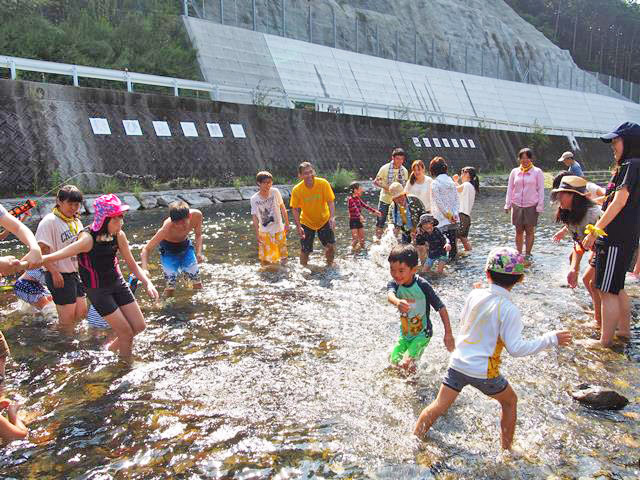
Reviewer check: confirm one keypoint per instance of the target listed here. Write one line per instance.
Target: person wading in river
(313, 206)
(389, 173)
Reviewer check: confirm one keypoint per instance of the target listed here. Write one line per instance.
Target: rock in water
(599, 398)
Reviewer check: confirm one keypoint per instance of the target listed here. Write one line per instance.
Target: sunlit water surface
(285, 375)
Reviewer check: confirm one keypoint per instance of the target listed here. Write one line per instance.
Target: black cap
(627, 129)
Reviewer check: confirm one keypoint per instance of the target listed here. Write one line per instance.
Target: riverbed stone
(599, 398)
(247, 192)
(148, 201)
(166, 198)
(132, 201)
(195, 200)
(285, 191)
(226, 194)
(88, 204)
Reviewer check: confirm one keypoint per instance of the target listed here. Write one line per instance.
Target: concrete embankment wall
(45, 128)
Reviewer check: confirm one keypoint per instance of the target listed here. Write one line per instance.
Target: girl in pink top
(525, 199)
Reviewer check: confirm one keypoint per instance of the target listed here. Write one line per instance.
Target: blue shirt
(575, 169)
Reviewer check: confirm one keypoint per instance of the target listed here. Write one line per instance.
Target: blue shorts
(179, 260)
(489, 386)
(430, 261)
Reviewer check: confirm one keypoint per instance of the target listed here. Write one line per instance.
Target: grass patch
(341, 178)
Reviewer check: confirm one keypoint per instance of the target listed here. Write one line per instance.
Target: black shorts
(355, 223)
(325, 234)
(612, 262)
(382, 219)
(106, 300)
(73, 288)
(464, 226)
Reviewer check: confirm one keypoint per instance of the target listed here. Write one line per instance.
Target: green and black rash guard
(420, 296)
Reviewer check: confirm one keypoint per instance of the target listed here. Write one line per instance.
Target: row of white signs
(100, 126)
(440, 142)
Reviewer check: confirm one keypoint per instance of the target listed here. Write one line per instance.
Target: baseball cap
(565, 155)
(627, 129)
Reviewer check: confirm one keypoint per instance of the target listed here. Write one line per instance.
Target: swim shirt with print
(420, 296)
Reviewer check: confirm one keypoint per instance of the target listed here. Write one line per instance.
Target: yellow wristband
(592, 229)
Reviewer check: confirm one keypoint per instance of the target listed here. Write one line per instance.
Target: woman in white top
(445, 205)
(419, 184)
(467, 193)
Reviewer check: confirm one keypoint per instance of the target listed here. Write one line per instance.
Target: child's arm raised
(196, 216)
(83, 244)
(449, 341)
(511, 334)
(150, 246)
(123, 246)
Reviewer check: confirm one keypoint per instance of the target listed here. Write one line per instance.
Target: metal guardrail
(281, 99)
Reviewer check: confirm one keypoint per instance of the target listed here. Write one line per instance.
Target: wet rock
(88, 204)
(148, 201)
(285, 191)
(90, 180)
(132, 201)
(247, 192)
(165, 199)
(228, 194)
(195, 200)
(599, 398)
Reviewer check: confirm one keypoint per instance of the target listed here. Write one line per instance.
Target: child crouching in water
(438, 245)
(31, 289)
(109, 293)
(356, 220)
(490, 321)
(413, 296)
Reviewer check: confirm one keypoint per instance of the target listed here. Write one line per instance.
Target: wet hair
(631, 148)
(412, 175)
(406, 254)
(525, 151)
(473, 177)
(574, 216)
(505, 280)
(302, 166)
(262, 176)
(437, 166)
(353, 186)
(178, 210)
(69, 193)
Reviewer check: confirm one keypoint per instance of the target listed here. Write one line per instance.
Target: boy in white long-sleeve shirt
(490, 322)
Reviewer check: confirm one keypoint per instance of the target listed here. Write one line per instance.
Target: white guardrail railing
(279, 99)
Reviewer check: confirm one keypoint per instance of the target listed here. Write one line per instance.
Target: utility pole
(555, 35)
(575, 30)
(615, 64)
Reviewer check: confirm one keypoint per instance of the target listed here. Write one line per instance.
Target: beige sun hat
(572, 184)
(396, 190)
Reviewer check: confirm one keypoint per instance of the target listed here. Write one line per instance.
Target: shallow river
(285, 375)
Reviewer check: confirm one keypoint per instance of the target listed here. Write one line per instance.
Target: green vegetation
(602, 35)
(141, 36)
(340, 178)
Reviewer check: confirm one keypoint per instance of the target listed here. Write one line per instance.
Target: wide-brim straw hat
(396, 190)
(572, 184)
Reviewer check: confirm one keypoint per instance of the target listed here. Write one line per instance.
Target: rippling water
(285, 375)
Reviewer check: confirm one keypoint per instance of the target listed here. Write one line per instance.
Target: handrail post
(222, 12)
(253, 6)
(176, 91)
(128, 80)
(185, 6)
(12, 67)
(74, 71)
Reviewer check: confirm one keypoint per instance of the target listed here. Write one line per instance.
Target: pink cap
(106, 206)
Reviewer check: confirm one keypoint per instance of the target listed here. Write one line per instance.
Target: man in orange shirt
(312, 203)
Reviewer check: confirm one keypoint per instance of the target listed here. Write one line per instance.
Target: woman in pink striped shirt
(525, 199)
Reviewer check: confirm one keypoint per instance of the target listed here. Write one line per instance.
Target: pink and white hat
(106, 206)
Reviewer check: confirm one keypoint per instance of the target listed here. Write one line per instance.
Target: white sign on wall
(132, 127)
(162, 129)
(437, 143)
(455, 143)
(463, 142)
(100, 126)
(471, 144)
(426, 142)
(446, 142)
(238, 130)
(189, 129)
(416, 142)
(214, 130)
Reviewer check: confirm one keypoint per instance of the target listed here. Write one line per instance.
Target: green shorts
(413, 348)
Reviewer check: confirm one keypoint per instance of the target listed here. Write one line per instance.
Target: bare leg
(519, 238)
(611, 312)
(529, 237)
(422, 253)
(587, 280)
(440, 267)
(329, 253)
(437, 408)
(123, 342)
(67, 318)
(624, 321)
(466, 244)
(196, 285)
(509, 402)
(361, 237)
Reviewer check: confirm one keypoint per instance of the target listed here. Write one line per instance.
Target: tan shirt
(55, 234)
